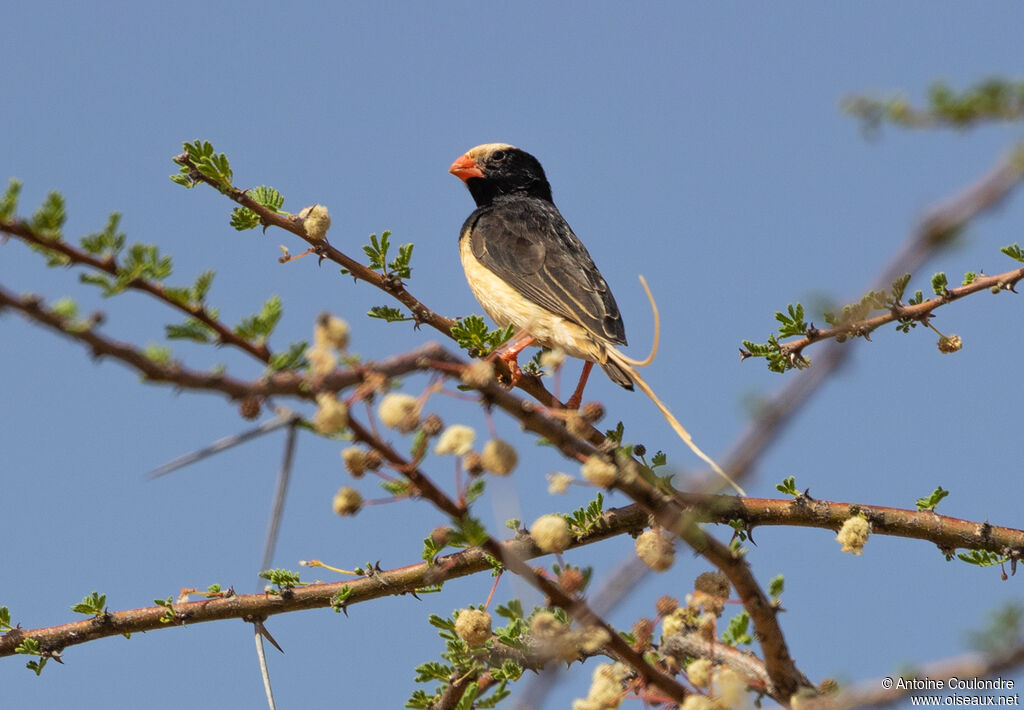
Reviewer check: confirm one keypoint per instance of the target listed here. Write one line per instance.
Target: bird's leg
(510, 354)
(577, 396)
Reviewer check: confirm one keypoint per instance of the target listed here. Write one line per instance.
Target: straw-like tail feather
(622, 366)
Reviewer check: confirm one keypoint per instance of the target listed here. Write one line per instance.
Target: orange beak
(465, 168)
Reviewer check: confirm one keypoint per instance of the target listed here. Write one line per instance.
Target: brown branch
(268, 217)
(947, 533)
(950, 534)
(108, 265)
(388, 283)
(532, 418)
(785, 677)
(681, 646)
(916, 312)
(576, 608)
(403, 580)
(280, 383)
(931, 234)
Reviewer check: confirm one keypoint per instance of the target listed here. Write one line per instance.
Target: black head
(495, 170)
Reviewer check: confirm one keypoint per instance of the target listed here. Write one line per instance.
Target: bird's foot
(510, 360)
(510, 356)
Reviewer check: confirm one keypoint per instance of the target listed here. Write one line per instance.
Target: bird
(529, 270)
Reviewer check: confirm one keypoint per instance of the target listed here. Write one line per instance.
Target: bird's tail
(623, 363)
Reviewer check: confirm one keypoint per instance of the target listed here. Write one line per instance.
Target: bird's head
(494, 170)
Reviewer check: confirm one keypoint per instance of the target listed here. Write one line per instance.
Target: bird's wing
(531, 247)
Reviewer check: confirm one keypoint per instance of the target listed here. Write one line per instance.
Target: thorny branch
(402, 580)
(679, 512)
(109, 265)
(933, 233)
(916, 312)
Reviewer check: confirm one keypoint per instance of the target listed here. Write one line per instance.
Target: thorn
(266, 634)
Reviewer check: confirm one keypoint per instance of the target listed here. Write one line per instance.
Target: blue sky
(699, 144)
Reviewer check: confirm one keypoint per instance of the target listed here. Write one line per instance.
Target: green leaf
(106, 285)
(260, 326)
(468, 532)
(268, 197)
(142, 261)
(65, 308)
(792, 322)
(388, 314)
(28, 647)
(107, 243)
(243, 218)
(739, 529)
(775, 587)
(468, 699)
(932, 500)
(474, 490)
(94, 604)
(399, 489)
(433, 671)
(736, 633)
(788, 486)
(1014, 252)
(472, 334)
(898, 287)
(9, 200)
(377, 251)
(281, 578)
(431, 549)
(969, 278)
(939, 284)
(159, 354)
(294, 358)
(400, 265)
(191, 329)
(512, 610)
(583, 520)
(192, 295)
(202, 285)
(981, 558)
(340, 600)
(49, 218)
(209, 163)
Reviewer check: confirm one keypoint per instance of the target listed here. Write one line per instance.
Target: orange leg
(510, 354)
(577, 396)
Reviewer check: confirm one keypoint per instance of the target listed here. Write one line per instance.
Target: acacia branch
(932, 233)
(916, 312)
(108, 265)
(532, 418)
(948, 533)
(279, 383)
(294, 224)
(575, 607)
(249, 607)
(388, 283)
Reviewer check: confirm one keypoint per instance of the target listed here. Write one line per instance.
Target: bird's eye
(498, 156)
